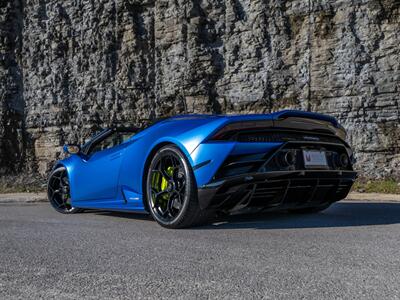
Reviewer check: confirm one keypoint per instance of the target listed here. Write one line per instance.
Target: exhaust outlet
(288, 159)
(343, 160)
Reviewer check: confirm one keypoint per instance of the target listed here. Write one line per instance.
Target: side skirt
(128, 200)
(112, 206)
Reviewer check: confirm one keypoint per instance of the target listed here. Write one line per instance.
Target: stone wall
(78, 65)
(11, 88)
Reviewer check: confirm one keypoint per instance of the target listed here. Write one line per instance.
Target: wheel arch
(56, 166)
(63, 164)
(149, 157)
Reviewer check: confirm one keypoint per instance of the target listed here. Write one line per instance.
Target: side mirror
(71, 149)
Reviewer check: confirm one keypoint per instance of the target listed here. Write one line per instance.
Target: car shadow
(342, 214)
(120, 214)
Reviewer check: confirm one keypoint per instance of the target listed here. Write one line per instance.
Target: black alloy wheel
(58, 191)
(171, 190)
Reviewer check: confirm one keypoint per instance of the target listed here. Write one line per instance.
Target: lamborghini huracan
(184, 169)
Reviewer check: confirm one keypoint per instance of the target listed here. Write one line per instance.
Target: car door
(97, 173)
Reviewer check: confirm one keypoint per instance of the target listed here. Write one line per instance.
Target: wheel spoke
(159, 193)
(156, 196)
(176, 202)
(175, 174)
(165, 174)
(170, 210)
(174, 161)
(178, 177)
(181, 185)
(56, 201)
(64, 181)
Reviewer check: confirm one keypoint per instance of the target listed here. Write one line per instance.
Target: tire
(310, 210)
(171, 191)
(58, 191)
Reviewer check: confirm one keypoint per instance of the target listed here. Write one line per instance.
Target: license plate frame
(315, 159)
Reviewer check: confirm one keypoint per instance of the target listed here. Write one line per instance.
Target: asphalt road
(352, 250)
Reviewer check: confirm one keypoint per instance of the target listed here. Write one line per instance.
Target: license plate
(314, 158)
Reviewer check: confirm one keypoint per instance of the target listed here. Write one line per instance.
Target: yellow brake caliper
(164, 182)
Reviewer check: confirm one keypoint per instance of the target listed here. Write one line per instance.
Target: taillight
(228, 131)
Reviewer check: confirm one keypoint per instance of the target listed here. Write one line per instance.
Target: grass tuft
(35, 184)
(32, 183)
(384, 186)
(6, 189)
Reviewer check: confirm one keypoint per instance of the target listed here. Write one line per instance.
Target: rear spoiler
(291, 119)
(280, 115)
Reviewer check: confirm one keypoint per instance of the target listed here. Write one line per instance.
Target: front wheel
(171, 190)
(58, 191)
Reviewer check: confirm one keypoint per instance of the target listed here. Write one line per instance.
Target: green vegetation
(362, 185)
(32, 183)
(385, 186)
(6, 189)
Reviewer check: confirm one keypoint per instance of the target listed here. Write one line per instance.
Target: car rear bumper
(277, 190)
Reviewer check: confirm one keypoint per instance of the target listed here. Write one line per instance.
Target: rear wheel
(171, 190)
(58, 191)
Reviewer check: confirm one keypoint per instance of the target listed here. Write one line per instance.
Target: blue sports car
(184, 168)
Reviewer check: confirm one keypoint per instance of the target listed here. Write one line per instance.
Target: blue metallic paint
(113, 179)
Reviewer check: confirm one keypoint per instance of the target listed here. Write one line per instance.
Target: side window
(112, 140)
